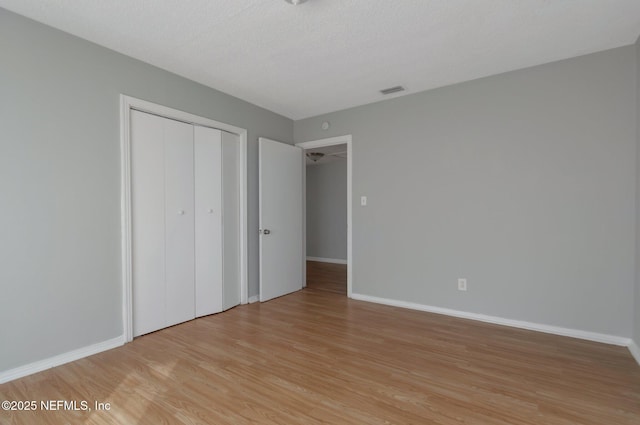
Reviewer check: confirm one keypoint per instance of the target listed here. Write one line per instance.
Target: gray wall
(60, 182)
(327, 210)
(523, 183)
(636, 334)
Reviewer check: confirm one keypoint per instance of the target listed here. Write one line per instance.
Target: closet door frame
(128, 103)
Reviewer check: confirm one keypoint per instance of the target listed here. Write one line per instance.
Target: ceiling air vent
(390, 90)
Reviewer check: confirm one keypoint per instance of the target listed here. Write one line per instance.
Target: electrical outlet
(462, 284)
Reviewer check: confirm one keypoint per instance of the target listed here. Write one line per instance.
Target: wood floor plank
(327, 277)
(317, 357)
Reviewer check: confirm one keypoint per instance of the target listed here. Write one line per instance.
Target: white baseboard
(635, 351)
(39, 366)
(574, 333)
(327, 260)
(253, 299)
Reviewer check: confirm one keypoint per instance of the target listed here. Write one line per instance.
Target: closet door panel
(231, 222)
(147, 219)
(179, 222)
(208, 221)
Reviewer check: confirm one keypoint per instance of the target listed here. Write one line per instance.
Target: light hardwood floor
(327, 277)
(317, 357)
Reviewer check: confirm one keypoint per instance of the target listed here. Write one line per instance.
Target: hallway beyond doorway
(327, 277)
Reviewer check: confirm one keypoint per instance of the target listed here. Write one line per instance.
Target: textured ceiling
(327, 55)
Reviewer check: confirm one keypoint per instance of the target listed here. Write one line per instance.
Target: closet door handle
(210, 210)
(180, 212)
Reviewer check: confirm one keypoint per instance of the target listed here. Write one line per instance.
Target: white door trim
(127, 103)
(339, 140)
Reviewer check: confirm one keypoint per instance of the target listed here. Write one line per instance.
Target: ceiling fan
(317, 156)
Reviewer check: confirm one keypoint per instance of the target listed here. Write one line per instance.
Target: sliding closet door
(231, 213)
(147, 222)
(179, 222)
(208, 224)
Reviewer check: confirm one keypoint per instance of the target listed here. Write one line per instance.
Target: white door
(186, 224)
(208, 220)
(281, 228)
(179, 222)
(147, 219)
(231, 214)
(162, 222)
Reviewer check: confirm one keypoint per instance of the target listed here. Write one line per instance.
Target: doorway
(327, 215)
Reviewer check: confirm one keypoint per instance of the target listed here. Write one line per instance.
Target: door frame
(331, 141)
(128, 103)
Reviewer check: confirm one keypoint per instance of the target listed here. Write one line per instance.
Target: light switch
(363, 201)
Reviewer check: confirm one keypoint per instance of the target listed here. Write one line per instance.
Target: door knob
(180, 212)
(210, 211)
(266, 231)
